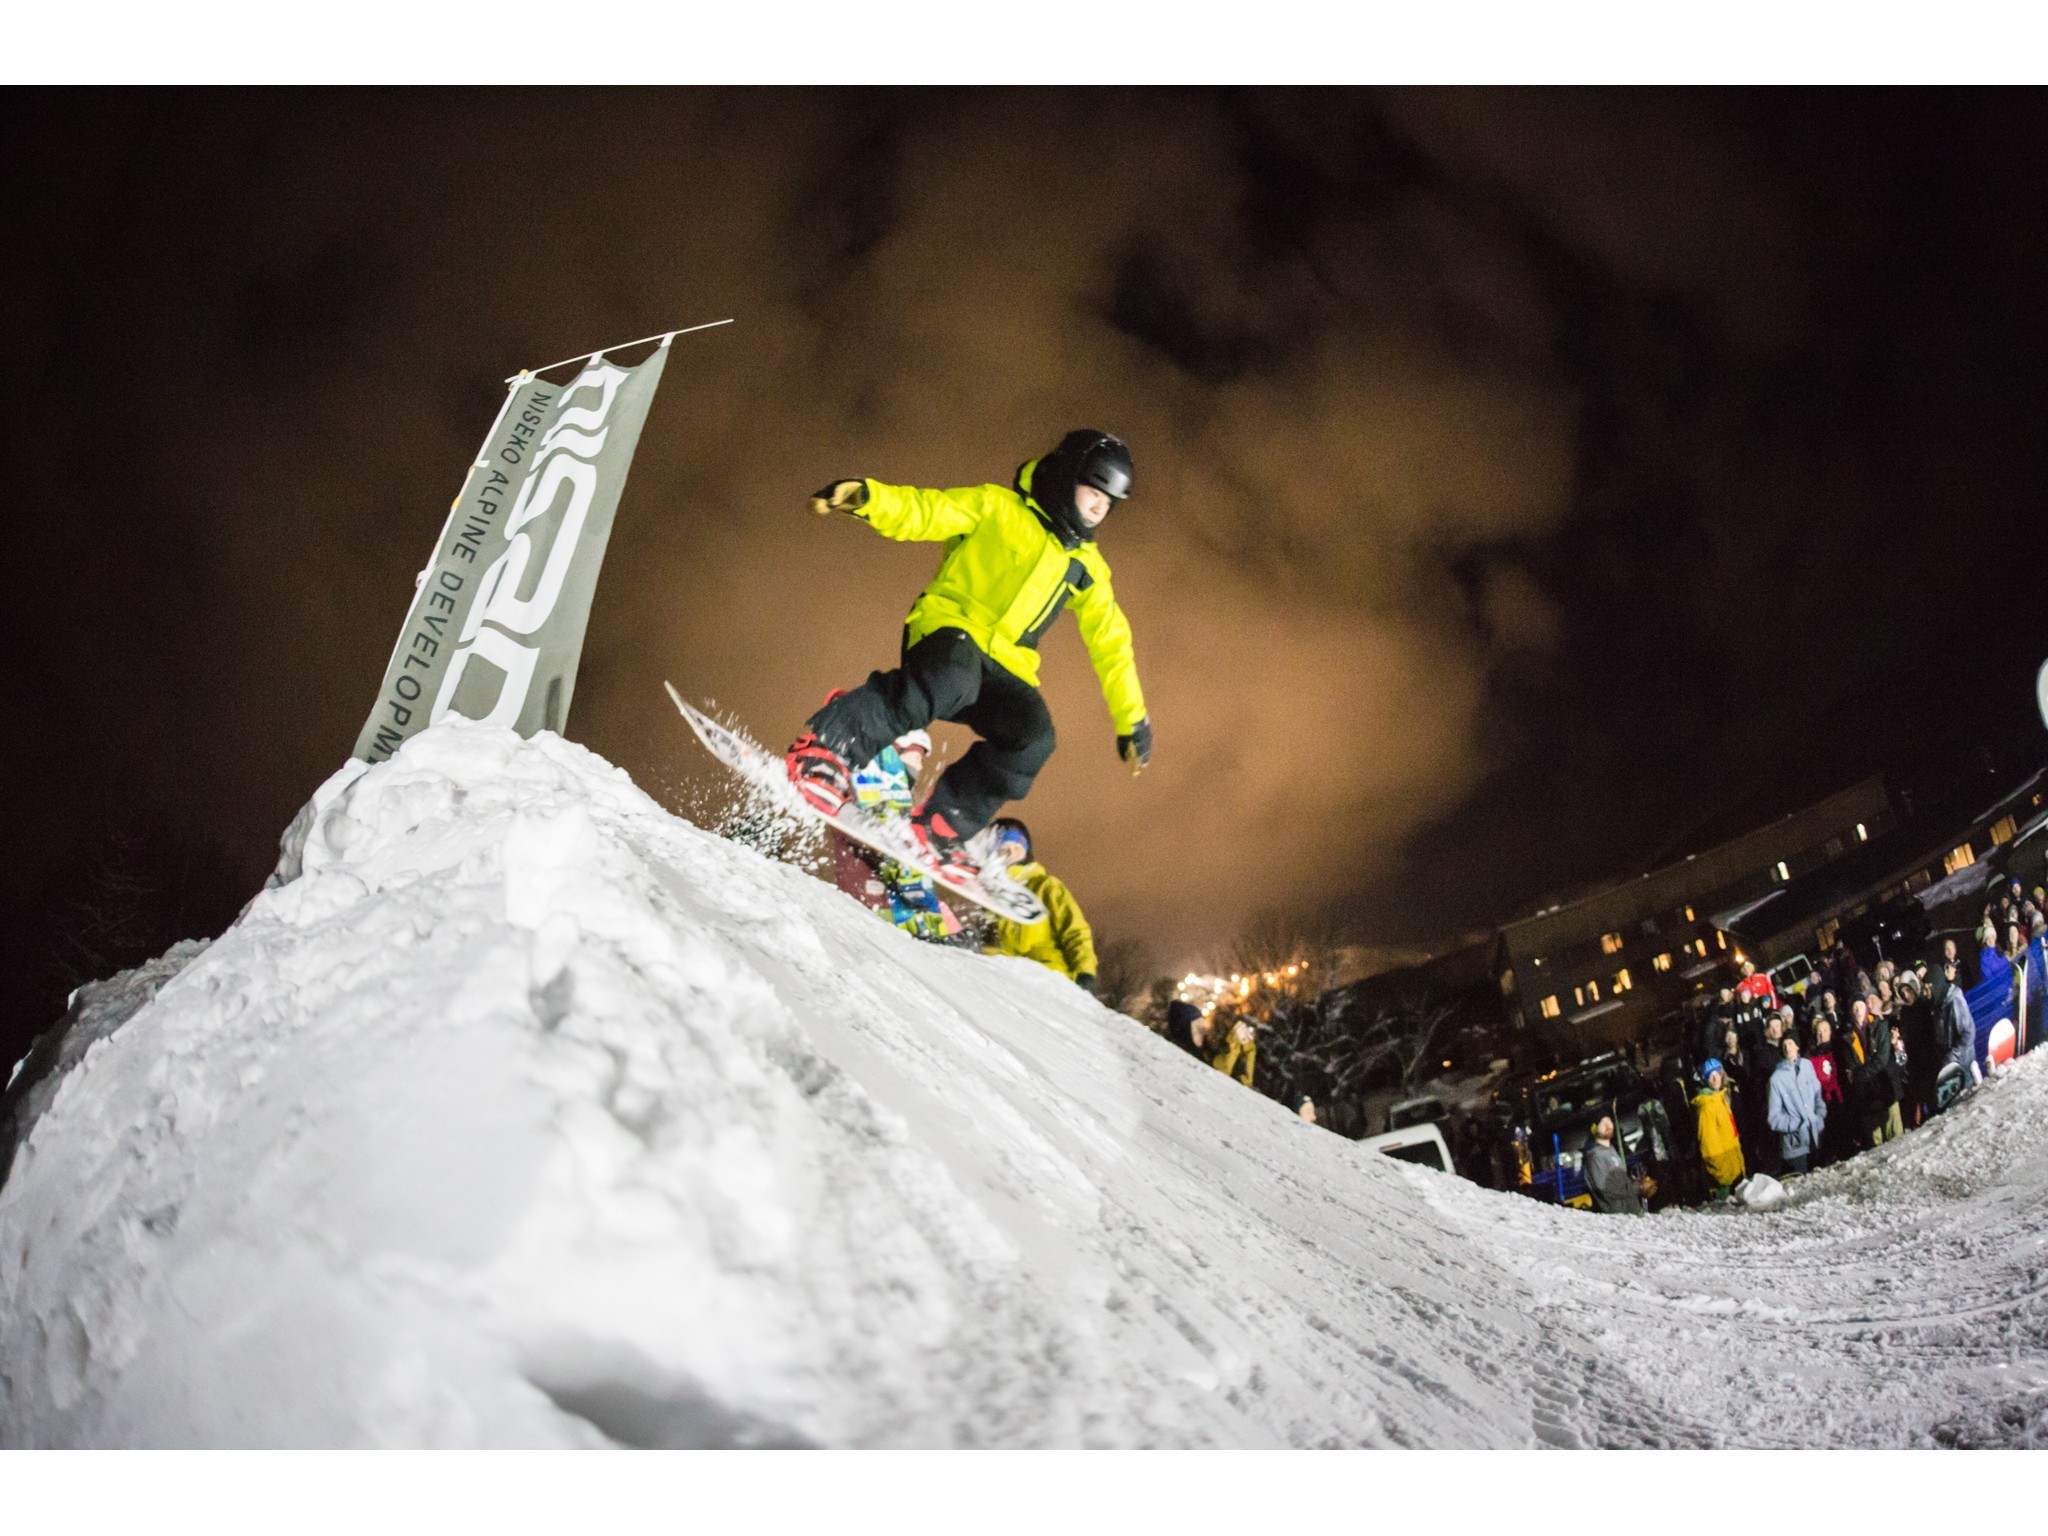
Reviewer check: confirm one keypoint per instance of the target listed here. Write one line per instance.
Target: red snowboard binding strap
(819, 774)
(944, 848)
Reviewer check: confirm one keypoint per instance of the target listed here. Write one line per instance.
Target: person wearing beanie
(1826, 1061)
(1015, 556)
(1923, 1053)
(1720, 1147)
(1797, 1110)
(2036, 985)
(1237, 1050)
(1955, 1029)
(1606, 1173)
(1183, 1020)
(1061, 940)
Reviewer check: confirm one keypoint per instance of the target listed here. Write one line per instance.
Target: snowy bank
(529, 1114)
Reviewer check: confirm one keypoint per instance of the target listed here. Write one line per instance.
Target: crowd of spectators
(1789, 1084)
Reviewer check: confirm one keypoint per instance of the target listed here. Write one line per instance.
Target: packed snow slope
(529, 1114)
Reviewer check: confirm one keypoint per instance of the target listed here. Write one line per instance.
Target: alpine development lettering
(496, 629)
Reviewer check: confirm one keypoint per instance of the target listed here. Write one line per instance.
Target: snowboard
(994, 891)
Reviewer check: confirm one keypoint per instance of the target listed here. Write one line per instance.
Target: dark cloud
(1495, 450)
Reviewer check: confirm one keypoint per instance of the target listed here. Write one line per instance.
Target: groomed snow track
(532, 1115)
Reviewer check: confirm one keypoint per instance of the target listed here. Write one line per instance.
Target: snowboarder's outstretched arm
(1107, 634)
(904, 511)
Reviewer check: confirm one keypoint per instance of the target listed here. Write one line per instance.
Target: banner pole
(483, 455)
(664, 337)
(481, 461)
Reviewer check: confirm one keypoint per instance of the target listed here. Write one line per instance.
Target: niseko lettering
(577, 432)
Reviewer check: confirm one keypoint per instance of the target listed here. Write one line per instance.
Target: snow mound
(528, 1114)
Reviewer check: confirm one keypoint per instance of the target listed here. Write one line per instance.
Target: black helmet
(1105, 462)
(1084, 457)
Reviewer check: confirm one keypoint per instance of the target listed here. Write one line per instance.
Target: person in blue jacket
(1798, 1113)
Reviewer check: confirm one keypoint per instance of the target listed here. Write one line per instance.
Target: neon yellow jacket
(1061, 940)
(1232, 1055)
(1004, 578)
(1720, 1147)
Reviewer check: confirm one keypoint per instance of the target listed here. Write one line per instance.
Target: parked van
(1423, 1111)
(1793, 976)
(1422, 1144)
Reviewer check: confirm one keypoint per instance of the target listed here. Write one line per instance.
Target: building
(1603, 969)
(1944, 853)
(1600, 970)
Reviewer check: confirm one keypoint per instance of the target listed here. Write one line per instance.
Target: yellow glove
(840, 496)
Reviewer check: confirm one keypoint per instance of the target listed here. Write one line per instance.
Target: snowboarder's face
(1093, 504)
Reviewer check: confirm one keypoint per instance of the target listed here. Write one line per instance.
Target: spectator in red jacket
(1755, 986)
(1828, 1068)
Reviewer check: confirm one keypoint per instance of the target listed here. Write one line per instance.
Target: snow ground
(532, 1115)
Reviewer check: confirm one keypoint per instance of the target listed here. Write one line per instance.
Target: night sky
(1522, 477)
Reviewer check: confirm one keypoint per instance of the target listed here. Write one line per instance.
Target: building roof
(1810, 899)
(1695, 876)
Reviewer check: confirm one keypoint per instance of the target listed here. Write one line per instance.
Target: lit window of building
(1578, 997)
(1593, 990)
(1721, 937)
(1621, 981)
(1701, 946)
(1959, 857)
(1862, 833)
(1783, 872)
(1688, 915)
(2004, 831)
(1662, 962)
(1549, 1008)
(1610, 943)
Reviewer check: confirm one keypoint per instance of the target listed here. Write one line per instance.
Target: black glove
(1086, 984)
(1136, 748)
(840, 496)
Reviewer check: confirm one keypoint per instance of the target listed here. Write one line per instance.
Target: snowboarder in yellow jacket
(1238, 1055)
(1061, 940)
(1014, 557)
(1720, 1147)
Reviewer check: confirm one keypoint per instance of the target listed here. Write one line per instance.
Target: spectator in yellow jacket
(1720, 1147)
(1061, 940)
(1014, 557)
(1238, 1056)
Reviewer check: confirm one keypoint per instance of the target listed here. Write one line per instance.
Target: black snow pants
(946, 676)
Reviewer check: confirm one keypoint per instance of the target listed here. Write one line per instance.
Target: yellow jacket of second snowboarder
(1234, 1053)
(1720, 1148)
(1061, 940)
(1004, 578)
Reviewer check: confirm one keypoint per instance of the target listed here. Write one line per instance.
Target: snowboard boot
(944, 848)
(820, 775)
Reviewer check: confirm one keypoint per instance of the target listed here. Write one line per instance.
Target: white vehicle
(1416, 1112)
(1422, 1144)
(1793, 976)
